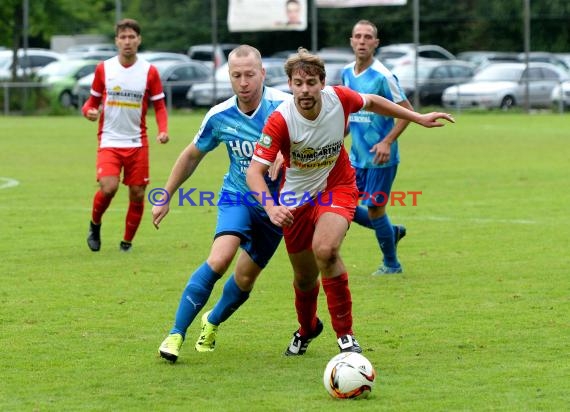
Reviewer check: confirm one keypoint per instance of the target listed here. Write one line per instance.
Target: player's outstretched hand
(431, 119)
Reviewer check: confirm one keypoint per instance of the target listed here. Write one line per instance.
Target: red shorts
(299, 236)
(133, 161)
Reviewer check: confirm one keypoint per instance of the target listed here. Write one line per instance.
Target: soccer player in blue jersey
(374, 150)
(237, 124)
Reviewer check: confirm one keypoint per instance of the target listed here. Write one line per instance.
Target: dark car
(178, 77)
(434, 76)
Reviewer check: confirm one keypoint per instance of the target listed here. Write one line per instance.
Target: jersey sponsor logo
(360, 118)
(310, 157)
(129, 105)
(242, 148)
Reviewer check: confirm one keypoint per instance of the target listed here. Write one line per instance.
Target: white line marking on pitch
(6, 182)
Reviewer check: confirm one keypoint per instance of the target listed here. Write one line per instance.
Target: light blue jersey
(226, 124)
(367, 128)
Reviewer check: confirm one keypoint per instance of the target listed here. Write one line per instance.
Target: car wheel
(508, 102)
(65, 99)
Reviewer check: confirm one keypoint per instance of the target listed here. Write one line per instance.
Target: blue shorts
(259, 237)
(375, 184)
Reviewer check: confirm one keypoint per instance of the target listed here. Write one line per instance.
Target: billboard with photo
(267, 15)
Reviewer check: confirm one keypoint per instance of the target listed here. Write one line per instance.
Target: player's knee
(325, 253)
(220, 263)
(109, 190)
(245, 281)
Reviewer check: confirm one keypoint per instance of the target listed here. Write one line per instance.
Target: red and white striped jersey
(313, 150)
(125, 94)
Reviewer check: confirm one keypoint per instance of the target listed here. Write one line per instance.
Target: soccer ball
(349, 375)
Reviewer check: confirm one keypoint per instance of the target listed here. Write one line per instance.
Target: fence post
(6, 99)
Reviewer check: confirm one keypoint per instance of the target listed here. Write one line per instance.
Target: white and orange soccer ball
(349, 375)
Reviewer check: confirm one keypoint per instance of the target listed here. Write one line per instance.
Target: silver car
(503, 85)
(405, 53)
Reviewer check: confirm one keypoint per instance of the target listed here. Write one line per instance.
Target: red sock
(339, 302)
(306, 306)
(100, 203)
(133, 220)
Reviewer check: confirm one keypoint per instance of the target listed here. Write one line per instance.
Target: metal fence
(33, 98)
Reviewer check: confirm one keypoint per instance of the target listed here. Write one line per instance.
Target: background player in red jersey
(309, 131)
(123, 86)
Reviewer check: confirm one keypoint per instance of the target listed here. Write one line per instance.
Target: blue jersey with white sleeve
(367, 128)
(226, 124)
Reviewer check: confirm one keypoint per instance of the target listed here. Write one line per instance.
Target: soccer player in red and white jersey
(319, 189)
(123, 87)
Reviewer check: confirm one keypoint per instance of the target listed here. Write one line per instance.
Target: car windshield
(499, 72)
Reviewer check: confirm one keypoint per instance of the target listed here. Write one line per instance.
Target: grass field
(479, 321)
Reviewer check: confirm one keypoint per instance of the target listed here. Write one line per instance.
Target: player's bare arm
(279, 215)
(381, 150)
(275, 167)
(382, 106)
(183, 168)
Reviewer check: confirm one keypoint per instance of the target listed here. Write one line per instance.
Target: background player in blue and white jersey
(374, 150)
(237, 124)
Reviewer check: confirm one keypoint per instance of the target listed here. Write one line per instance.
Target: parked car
(433, 77)
(202, 94)
(404, 53)
(546, 58)
(560, 96)
(93, 55)
(82, 89)
(29, 61)
(61, 77)
(503, 85)
(155, 56)
(80, 49)
(205, 53)
(337, 57)
(480, 58)
(565, 57)
(178, 77)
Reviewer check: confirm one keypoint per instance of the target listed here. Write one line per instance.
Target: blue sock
(385, 236)
(194, 297)
(361, 217)
(232, 298)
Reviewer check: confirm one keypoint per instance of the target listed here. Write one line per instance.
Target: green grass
(480, 320)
